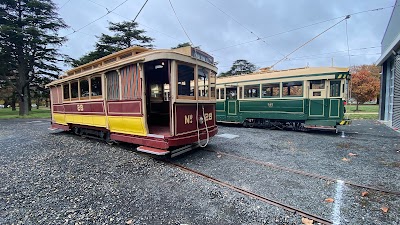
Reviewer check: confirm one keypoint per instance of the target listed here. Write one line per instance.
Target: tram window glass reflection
(185, 80)
(252, 91)
(271, 90)
(66, 91)
(74, 90)
(203, 75)
(335, 88)
(294, 88)
(317, 84)
(95, 84)
(84, 88)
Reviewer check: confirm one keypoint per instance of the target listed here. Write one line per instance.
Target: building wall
(396, 96)
(392, 30)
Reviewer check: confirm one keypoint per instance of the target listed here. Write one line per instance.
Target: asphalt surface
(52, 177)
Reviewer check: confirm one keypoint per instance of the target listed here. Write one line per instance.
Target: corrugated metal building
(389, 109)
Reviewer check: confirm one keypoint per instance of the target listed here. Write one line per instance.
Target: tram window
(185, 80)
(112, 85)
(167, 94)
(317, 84)
(66, 91)
(252, 91)
(74, 90)
(213, 82)
(84, 87)
(271, 90)
(240, 96)
(294, 88)
(218, 94)
(316, 93)
(95, 84)
(156, 92)
(222, 93)
(335, 88)
(203, 76)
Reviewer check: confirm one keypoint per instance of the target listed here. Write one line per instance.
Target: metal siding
(382, 95)
(396, 96)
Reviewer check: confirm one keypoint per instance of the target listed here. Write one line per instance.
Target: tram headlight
(201, 120)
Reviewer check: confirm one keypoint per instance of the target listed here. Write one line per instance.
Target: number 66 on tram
(162, 100)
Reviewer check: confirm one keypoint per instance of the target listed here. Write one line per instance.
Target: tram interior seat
(157, 83)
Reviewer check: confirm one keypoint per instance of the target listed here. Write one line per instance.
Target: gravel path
(56, 178)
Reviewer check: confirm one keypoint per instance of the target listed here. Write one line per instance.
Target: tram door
(231, 103)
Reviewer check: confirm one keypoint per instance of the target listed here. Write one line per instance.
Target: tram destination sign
(202, 56)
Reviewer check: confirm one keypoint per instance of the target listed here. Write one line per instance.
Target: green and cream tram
(301, 98)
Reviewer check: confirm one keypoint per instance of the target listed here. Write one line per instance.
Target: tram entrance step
(154, 151)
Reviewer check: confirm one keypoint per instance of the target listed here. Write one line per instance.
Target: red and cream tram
(162, 100)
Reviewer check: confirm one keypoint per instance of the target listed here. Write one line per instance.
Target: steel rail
(253, 195)
(303, 173)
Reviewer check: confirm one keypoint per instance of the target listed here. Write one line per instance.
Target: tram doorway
(157, 82)
(231, 103)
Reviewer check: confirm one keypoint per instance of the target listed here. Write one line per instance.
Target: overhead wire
(302, 27)
(312, 39)
(64, 4)
(347, 39)
(99, 18)
(124, 17)
(246, 28)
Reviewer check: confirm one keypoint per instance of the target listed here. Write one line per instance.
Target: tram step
(154, 151)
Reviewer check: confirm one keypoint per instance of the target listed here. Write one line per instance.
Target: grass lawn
(363, 108)
(363, 116)
(42, 113)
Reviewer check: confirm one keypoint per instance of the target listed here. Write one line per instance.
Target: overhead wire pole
(347, 17)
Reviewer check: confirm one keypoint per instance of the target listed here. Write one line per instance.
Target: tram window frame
(203, 93)
(213, 85)
(288, 86)
(222, 93)
(81, 91)
(192, 89)
(271, 92)
(66, 87)
(98, 96)
(321, 84)
(255, 91)
(74, 94)
(240, 93)
(334, 93)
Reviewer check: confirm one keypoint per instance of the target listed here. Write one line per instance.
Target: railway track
(302, 172)
(252, 194)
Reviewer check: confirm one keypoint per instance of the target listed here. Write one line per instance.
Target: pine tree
(126, 34)
(29, 44)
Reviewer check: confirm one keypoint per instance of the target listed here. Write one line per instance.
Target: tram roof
(136, 54)
(266, 73)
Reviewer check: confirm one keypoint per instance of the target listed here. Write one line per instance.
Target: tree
(365, 83)
(240, 66)
(181, 45)
(126, 34)
(29, 44)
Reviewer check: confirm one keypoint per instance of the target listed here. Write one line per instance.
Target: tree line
(30, 55)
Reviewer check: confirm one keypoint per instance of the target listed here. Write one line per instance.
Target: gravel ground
(56, 178)
(376, 163)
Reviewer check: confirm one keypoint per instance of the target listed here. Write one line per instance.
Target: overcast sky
(216, 32)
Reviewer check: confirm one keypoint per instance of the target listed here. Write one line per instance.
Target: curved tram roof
(265, 73)
(131, 55)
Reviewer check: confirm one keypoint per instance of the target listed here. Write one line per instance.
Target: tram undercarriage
(284, 125)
